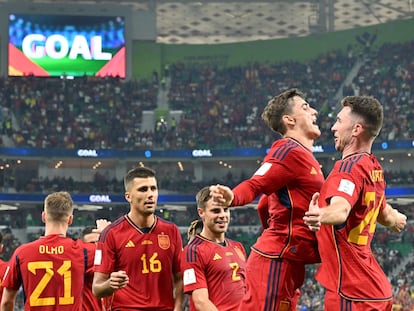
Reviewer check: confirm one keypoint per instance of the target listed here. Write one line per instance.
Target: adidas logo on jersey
(130, 244)
(217, 257)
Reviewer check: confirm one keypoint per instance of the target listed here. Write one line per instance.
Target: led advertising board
(66, 45)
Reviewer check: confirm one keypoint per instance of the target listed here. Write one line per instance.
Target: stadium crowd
(221, 106)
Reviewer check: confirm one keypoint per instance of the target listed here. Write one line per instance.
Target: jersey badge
(189, 277)
(97, 260)
(263, 169)
(130, 244)
(313, 171)
(346, 186)
(163, 241)
(217, 257)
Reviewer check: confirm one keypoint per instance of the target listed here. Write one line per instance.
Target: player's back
(51, 271)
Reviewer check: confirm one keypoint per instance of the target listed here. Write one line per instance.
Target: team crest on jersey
(163, 241)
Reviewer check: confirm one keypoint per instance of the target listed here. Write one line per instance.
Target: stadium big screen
(66, 45)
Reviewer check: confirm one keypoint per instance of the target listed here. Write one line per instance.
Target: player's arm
(178, 291)
(8, 299)
(201, 300)
(392, 218)
(333, 214)
(104, 285)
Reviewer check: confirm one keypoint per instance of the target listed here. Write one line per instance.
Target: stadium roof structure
(224, 21)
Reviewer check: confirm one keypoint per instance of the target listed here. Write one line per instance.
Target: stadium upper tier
(219, 108)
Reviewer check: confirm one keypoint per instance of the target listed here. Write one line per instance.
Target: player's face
(343, 129)
(216, 219)
(142, 195)
(305, 117)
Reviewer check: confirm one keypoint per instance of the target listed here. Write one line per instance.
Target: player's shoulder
(114, 226)
(196, 245)
(234, 243)
(355, 162)
(162, 222)
(284, 147)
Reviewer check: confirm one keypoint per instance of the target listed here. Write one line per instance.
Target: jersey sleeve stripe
(282, 151)
(346, 165)
(191, 253)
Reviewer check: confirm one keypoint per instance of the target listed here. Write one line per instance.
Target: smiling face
(345, 129)
(302, 118)
(142, 194)
(216, 219)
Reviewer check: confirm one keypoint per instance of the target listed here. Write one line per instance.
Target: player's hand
(401, 221)
(312, 216)
(118, 279)
(222, 194)
(101, 224)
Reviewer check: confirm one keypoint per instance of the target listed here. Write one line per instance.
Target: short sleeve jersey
(348, 265)
(289, 176)
(218, 268)
(3, 268)
(51, 271)
(90, 301)
(149, 259)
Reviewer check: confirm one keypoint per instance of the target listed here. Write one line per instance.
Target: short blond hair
(58, 206)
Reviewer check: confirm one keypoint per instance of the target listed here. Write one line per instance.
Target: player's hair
(369, 109)
(195, 227)
(279, 106)
(137, 172)
(202, 196)
(58, 206)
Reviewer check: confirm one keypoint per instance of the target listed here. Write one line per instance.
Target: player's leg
(271, 284)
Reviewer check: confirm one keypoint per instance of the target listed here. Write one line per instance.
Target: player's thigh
(272, 284)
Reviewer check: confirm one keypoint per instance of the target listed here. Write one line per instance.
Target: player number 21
(47, 266)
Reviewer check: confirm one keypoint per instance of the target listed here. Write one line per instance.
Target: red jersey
(220, 269)
(149, 259)
(3, 268)
(90, 301)
(289, 176)
(348, 265)
(51, 271)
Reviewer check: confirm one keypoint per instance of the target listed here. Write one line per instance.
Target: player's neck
(215, 237)
(141, 220)
(355, 148)
(305, 142)
(55, 229)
